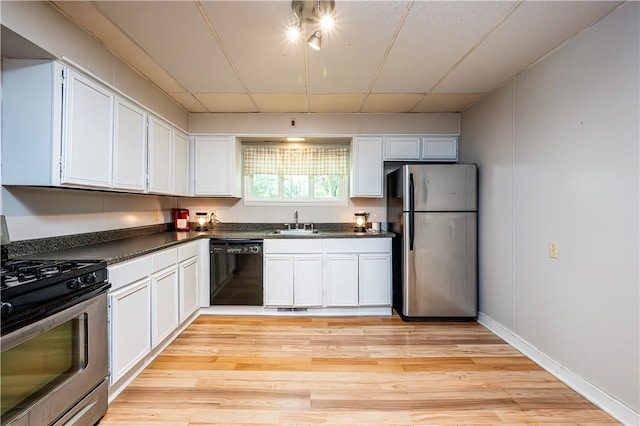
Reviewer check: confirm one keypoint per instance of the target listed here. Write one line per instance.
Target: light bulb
(326, 22)
(201, 221)
(293, 33)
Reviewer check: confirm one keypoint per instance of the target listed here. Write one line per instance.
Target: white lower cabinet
(164, 299)
(164, 295)
(342, 279)
(340, 272)
(307, 280)
(188, 271)
(130, 335)
(293, 280)
(278, 280)
(129, 315)
(374, 278)
(359, 271)
(149, 299)
(293, 273)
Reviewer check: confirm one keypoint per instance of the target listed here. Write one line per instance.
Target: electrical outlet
(292, 122)
(156, 215)
(554, 250)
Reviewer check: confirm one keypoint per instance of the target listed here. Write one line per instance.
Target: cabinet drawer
(128, 272)
(164, 259)
(187, 251)
(358, 245)
(292, 246)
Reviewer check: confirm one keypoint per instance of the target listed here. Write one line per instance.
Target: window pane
(296, 186)
(326, 186)
(265, 186)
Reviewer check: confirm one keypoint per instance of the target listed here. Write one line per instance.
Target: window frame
(247, 182)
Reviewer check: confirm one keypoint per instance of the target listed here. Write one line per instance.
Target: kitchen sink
(295, 232)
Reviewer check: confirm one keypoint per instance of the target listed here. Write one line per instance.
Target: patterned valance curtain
(295, 161)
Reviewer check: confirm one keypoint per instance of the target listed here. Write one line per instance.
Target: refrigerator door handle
(412, 208)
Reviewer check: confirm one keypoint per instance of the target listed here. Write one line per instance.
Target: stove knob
(74, 284)
(6, 308)
(89, 279)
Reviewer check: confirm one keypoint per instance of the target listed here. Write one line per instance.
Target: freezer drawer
(440, 273)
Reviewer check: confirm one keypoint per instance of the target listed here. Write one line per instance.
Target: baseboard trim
(323, 312)
(603, 400)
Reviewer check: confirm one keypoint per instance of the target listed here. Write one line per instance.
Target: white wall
(33, 212)
(558, 153)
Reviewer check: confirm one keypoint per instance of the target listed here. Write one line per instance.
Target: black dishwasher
(236, 272)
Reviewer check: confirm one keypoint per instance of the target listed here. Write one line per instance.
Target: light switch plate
(554, 250)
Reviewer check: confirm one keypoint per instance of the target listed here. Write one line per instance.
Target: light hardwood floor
(229, 370)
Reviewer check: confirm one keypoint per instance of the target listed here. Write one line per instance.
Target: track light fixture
(315, 41)
(317, 12)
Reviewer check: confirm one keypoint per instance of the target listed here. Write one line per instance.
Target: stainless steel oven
(236, 272)
(54, 358)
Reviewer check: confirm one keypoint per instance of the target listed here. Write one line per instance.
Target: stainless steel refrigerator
(432, 208)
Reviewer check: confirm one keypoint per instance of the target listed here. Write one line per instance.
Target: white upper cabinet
(366, 167)
(420, 148)
(76, 132)
(440, 148)
(160, 155)
(401, 148)
(217, 166)
(31, 131)
(129, 147)
(87, 132)
(180, 163)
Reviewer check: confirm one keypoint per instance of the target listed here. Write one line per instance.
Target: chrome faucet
(295, 218)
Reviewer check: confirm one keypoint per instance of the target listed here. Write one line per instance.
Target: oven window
(34, 367)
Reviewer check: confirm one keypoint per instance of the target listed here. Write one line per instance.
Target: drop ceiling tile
(387, 102)
(533, 30)
(178, 38)
(188, 101)
(435, 36)
(86, 15)
(337, 103)
(281, 102)
(446, 102)
(254, 35)
(352, 51)
(226, 102)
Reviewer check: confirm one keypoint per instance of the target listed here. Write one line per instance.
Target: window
(295, 175)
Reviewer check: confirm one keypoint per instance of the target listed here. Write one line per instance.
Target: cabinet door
(129, 147)
(188, 281)
(375, 279)
(342, 280)
(215, 167)
(307, 281)
(401, 148)
(164, 304)
(87, 132)
(180, 164)
(366, 167)
(129, 327)
(278, 280)
(160, 153)
(440, 148)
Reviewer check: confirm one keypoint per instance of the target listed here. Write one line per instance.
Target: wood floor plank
(229, 370)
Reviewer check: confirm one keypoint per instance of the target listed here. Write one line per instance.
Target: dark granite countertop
(128, 248)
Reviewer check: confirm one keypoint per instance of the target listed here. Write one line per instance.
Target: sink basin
(295, 231)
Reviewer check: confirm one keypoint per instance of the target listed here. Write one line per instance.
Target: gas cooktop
(20, 276)
(32, 289)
